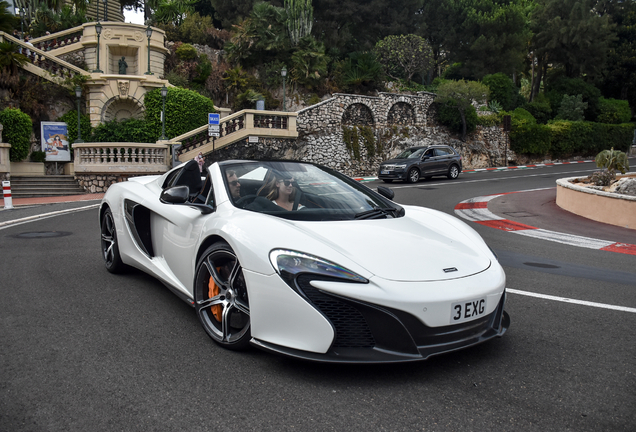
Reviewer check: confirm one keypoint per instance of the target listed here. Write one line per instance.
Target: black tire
(453, 172)
(413, 176)
(110, 248)
(387, 180)
(221, 300)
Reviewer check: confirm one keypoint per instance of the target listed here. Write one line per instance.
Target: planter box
(27, 169)
(610, 208)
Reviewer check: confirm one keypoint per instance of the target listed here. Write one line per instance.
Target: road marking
(28, 219)
(476, 210)
(573, 301)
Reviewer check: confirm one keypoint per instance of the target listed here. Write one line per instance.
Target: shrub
(574, 86)
(526, 135)
(38, 156)
(70, 118)
(17, 132)
(186, 52)
(540, 108)
(128, 130)
(490, 119)
(185, 110)
(613, 160)
(449, 115)
(572, 108)
(613, 111)
(502, 90)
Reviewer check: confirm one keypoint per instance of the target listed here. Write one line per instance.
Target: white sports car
(300, 260)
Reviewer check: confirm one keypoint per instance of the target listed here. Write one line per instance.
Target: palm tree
(10, 58)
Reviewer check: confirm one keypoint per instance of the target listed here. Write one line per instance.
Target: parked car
(417, 162)
(313, 282)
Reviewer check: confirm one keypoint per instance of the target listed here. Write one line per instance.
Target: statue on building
(123, 66)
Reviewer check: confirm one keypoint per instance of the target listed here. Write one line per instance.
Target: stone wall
(95, 183)
(397, 122)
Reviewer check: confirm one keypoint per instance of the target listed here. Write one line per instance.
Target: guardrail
(106, 158)
(236, 127)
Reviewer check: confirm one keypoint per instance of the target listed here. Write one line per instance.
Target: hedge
(185, 110)
(566, 138)
(17, 132)
(70, 118)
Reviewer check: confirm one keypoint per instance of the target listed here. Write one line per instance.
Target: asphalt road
(81, 349)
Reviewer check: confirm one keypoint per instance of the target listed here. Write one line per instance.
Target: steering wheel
(243, 201)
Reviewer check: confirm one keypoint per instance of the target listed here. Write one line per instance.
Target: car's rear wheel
(453, 172)
(387, 180)
(413, 176)
(110, 248)
(221, 298)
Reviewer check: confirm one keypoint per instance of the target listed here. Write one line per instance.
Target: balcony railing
(59, 39)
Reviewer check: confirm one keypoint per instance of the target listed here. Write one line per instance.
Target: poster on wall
(55, 141)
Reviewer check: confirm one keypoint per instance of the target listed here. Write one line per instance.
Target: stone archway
(120, 109)
(358, 114)
(401, 113)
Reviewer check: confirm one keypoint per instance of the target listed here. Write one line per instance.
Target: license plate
(385, 172)
(467, 310)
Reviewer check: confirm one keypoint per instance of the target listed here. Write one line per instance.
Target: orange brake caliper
(213, 290)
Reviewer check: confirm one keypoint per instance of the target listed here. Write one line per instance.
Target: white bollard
(6, 192)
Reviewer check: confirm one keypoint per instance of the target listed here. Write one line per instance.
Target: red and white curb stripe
(524, 166)
(476, 210)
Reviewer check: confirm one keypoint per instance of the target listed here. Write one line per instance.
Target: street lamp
(149, 34)
(105, 10)
(164, 93)
(98, 29)
(283, 73)
(78, 93)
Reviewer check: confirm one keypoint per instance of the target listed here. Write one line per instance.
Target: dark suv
(417, 162)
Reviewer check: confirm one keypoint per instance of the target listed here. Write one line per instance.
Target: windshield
(411, 153)
(295, 190)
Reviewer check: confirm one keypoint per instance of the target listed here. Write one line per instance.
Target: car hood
(397, 161)
(428, 247)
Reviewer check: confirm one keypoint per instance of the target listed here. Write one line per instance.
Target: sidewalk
(21, 202)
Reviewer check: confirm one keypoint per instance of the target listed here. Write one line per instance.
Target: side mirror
(180, 195)
(386, 192)
(175, 195)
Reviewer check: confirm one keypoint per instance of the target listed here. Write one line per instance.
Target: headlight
(289, 264)
(400, 167)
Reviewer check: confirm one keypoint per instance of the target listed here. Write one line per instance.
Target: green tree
(461, 95)
(502, 90)
(570, 33)
(309, 62)
(493, 37)
(173, 11)
(403, 56)
(300, 17)
(360, 72)
(572, 108)
(8, 21)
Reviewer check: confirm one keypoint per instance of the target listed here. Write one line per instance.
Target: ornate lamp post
(283, 73)
(149, 35)
(105, 9)
(78, 93)
(98, 29)
(164, 93)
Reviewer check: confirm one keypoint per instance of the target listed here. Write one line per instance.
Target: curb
(476, 210)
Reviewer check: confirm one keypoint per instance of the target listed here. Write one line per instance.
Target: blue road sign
(213, 118)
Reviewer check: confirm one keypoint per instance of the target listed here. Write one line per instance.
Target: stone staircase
(44, 186)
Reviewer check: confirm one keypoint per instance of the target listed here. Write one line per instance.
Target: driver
(233, 183)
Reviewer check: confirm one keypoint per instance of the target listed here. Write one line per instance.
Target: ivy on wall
(352, 137)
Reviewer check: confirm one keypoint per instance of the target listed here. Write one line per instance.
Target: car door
(176, 232)
(427, 163)
(443, 157)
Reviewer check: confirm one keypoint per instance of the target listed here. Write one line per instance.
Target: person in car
(233, 183)
(282, 191)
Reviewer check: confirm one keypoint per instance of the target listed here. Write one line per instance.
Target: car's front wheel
(453, 172)
(413, 175)
(221, 299)
(110, 248)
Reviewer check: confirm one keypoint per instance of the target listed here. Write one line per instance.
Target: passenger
(233, 183)
(281, 191)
